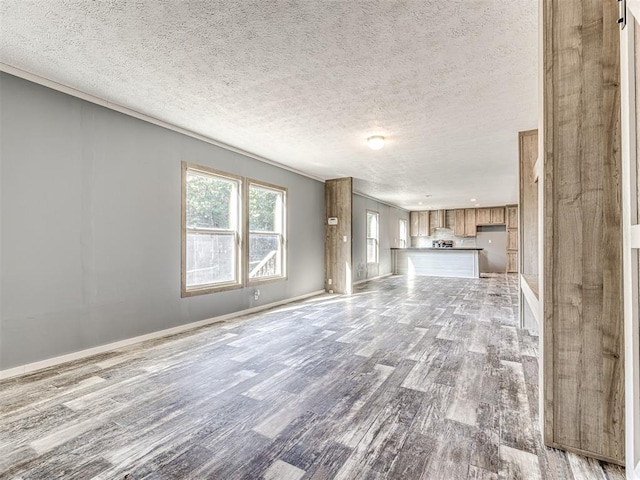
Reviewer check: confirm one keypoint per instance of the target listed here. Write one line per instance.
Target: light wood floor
(420, 378)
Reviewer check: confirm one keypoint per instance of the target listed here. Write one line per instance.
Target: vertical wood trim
(583, 366)
(338, 254)
(630, 74)
(528, 211)
(612, 313)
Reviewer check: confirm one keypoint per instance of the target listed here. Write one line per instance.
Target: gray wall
(90, 226)
(493, 239)
(389, 233)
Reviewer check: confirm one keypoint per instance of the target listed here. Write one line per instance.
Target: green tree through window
(211, 231)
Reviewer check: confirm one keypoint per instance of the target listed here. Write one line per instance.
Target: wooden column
(337, 201)
(583, 371)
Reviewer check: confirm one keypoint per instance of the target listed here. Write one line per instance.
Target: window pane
(265, 210)
(210, 258)
(265, 255)
(372, 250)
(403, 229)
(372, 225)
(211, 202)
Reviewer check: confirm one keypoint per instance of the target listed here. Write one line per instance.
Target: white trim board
(51, 362)
(141, 116)
(634, 7)
(364, 195)
(634, 236)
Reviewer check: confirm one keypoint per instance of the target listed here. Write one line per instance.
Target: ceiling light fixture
(474, 199)
(376, 142)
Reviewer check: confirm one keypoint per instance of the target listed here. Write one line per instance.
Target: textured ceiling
(304, 83)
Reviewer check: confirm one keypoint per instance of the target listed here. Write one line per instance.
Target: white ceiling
(304, 83)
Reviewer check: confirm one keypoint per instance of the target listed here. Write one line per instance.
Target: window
(403, 233)
(267, 227)
(211, 233)
(372, 237)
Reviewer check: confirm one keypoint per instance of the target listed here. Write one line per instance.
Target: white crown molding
(17, 72)
(356, 192)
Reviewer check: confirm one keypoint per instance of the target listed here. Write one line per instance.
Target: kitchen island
(437, 262)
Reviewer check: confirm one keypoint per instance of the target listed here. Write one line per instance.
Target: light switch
(344, 239)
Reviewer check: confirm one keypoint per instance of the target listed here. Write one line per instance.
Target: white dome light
(376, 142)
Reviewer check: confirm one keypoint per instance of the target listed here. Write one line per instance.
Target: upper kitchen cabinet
(470, 222)
(483, 216)
(459, 223)
(464, 222)
(490, 216)
(512, 216)
(497, 216)
(419, 224)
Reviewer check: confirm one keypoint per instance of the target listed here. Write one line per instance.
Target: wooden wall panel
(583, 325)
(528, 153)
(338, 203)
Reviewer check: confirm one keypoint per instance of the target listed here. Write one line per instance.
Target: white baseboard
(372, 278)
(70, 357)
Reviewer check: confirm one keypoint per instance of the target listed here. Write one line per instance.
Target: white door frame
(631, 241)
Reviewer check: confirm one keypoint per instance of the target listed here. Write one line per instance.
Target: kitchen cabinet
(414, 224)
(470, 222)
(490, 216)
(459, 223)
(419, 224)
(512, 239)
(483, 216)
(512, 217)
(497, 216)
(512, 261)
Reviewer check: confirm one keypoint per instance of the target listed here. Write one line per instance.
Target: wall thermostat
(332, 220)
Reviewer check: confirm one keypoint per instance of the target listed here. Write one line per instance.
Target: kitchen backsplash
(443, 234)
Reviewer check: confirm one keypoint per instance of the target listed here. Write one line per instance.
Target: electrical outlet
(256, 294)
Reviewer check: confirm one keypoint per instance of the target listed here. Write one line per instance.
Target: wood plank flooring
(409, 378)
